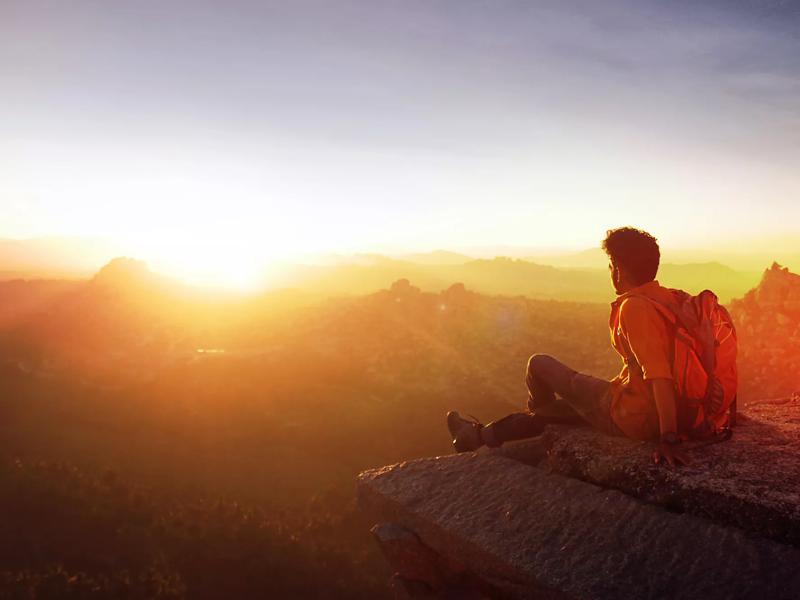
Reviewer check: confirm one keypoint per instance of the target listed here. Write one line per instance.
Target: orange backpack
(704, 361)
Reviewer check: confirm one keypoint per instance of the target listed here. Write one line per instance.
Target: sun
(212, 262)
(228, 271)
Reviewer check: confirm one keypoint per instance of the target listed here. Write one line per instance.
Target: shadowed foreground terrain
(153, 444)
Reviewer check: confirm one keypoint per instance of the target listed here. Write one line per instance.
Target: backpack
(703, 362)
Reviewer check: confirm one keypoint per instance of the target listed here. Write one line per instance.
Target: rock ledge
(575, 514)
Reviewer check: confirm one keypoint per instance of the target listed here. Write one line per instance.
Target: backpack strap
(680, 317)
(669, 314)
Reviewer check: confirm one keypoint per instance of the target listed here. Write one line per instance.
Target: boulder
(576, 514)
(751, 481)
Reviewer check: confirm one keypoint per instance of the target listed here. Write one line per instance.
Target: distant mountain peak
(123, 271)
(778, 283)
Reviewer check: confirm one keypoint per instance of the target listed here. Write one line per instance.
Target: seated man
(639, 403)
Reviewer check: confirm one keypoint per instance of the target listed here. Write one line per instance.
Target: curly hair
(634, 250)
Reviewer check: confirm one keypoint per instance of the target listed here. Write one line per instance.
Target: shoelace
(475, 421)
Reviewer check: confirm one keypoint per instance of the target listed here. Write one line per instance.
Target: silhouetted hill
(578, 277)
(506, 276)
(125, 273)
(124, 306)
(768, 324)
(743, 255)
(725, 282)
(125, 321)
(53, 257)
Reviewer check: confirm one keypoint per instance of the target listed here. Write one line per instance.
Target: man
(639, 403)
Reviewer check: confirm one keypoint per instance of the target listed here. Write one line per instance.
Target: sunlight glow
(210, 259)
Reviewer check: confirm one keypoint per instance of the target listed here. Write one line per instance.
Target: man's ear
(618, 276)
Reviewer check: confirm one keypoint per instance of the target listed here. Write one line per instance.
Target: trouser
(556, 394)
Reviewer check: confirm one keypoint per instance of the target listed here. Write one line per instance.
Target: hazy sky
(273, 128)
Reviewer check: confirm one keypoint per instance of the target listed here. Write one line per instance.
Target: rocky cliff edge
(576, 514)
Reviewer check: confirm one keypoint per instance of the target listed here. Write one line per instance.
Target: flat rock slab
(531, 533)
(751, 481)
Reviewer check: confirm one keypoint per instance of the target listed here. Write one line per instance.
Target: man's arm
(648, 338)
(667, 407)
(664, 394)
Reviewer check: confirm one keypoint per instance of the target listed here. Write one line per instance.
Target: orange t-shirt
(640, 336)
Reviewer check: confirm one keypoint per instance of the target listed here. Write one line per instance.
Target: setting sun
(210, 261)
(205, 266)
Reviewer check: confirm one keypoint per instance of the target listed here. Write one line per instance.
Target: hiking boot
(466, 434)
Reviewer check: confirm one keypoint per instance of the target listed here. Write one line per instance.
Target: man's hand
(670, 454)
(668, 450)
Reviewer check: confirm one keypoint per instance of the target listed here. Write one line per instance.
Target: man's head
(633, 257)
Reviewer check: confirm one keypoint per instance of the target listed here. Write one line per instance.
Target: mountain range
(580, 276)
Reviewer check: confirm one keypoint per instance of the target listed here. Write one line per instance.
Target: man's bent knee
(538, 362)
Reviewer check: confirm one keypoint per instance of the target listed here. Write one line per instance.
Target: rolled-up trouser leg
(554, 388)
(557, 394)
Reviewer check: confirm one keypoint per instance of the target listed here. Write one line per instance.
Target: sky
(217, 135)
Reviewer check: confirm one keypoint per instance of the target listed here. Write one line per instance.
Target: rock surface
(529, 533)
(548, 517)
(751, 481)
(768, 325)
